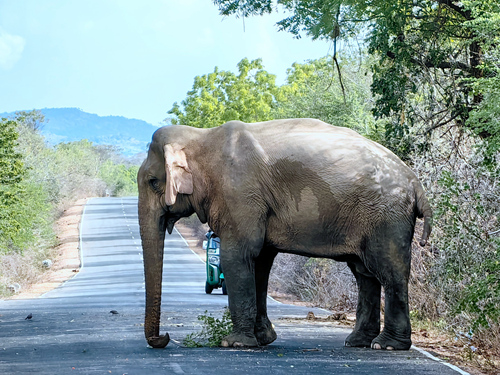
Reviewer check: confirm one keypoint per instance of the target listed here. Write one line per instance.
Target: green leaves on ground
(212, 332)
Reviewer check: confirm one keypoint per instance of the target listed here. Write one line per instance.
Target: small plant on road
(212, 332)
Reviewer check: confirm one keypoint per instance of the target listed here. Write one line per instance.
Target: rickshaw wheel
(208, 288)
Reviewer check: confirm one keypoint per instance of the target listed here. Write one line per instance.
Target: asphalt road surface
(73, 332)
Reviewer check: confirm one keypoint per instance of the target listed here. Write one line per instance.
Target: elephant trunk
(153, 236)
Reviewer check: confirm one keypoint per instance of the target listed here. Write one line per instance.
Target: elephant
(297, 186)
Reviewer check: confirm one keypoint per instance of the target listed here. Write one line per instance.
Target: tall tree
(222, 96)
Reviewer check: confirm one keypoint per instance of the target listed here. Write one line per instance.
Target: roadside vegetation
(422, 78)
(37, 183)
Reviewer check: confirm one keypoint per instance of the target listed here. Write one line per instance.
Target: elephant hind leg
(368, 310)
(391, 258)
(397, 328)
(264, 331)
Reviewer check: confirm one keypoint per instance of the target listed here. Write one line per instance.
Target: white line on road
(200, 258)
(429, 355)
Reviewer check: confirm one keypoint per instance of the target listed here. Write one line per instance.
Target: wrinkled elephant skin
(298, 186)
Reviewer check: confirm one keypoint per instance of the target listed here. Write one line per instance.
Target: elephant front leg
(239, 272)
(264, 331)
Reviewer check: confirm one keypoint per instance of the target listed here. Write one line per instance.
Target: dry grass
(321, 282)
(19, 270)
(27, 270)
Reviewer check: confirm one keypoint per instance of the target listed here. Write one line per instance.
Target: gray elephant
(298, 186)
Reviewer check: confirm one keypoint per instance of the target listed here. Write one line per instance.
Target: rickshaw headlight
(214, 260)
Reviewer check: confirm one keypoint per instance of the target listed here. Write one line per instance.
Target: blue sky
(129, 58)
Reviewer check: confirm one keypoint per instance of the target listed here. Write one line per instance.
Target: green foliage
(31, 120)
(11, 165)
(482, 296)
(213, 331)
(120, 179)
(37, 180)
(470, 267)
(223, 96)
(313, 90)
(12, 172)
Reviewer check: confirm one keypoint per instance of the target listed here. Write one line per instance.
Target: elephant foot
(384, 341)
(265, 335)
(159, 341)
(239, 340)
(359, 339)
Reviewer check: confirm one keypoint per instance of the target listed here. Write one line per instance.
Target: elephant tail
(424, 211)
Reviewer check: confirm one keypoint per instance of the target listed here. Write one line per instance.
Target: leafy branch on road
(212, 332)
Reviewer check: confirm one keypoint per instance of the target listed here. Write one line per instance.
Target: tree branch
(449, 3)
(441, 65)
(439, 124)
(340, 77)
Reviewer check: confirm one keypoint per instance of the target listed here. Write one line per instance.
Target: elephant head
(166, 186)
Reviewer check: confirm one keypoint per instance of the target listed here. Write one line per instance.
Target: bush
(213, 330)
(322, 282)
(461, 278)
(120, 179)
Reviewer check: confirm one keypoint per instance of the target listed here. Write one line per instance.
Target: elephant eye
(155, 184)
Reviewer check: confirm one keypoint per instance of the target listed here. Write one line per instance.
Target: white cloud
(11, 49)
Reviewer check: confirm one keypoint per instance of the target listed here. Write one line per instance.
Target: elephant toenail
(224, 344)
(390, 348)
(376, 346)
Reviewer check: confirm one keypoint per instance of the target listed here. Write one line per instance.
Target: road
(73, 332)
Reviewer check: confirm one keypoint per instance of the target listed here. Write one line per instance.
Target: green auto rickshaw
(215, 276)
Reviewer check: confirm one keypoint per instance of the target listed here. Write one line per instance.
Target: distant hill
(131, 136)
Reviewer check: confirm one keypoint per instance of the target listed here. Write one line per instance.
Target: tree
(11, 165)
(11, 175)
(31, 119)
(313, 90)
(222, 96)
(436, 61)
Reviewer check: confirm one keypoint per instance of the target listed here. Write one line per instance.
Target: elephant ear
(179, 177)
